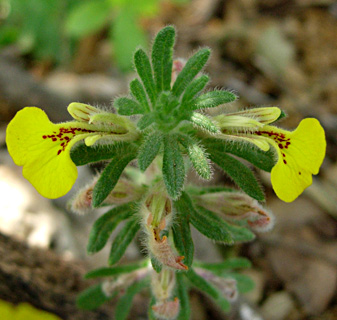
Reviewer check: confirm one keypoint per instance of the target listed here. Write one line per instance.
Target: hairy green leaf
(162, 52)
(114, 271)
(182, 295)
(173, 167)
(144, 69)
(81, 154)
(123, 239)
(145, 121)
(264, 160)
(210, 226)
(104, 226)
(194, 88)
(203, 285)
(197, 156)
(128, 107)
(138, 91)
(149, 150)
(110, 175)
(238, 233)
(241, 175)
(213, 99)
(190, 70)
(230, 263)
(203, 122)
(181, 230)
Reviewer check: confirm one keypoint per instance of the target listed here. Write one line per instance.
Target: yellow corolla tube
(43, 149)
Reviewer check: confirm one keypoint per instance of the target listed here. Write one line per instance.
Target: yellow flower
(300, 153)
(43, 148)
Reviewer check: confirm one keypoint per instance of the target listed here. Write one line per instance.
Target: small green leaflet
(264, 160)
(162, 52)
(203, 122)
(114, 271)
(213, 99)
(128, 107)
(144, 70)
(181, 230)
(173, 167)
(197, 156)
(110, 175)
(190, 70)
(104, 226)
(138, 92)
(81, 154)
(149, 149)
(182, 295)
(123, 239)
(241, 175)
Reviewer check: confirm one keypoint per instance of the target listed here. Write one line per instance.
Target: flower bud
(157, 216)
(162, 285)
(81, 111)
(125, 191)
(248, 119)
(237, 206)
(167, 310)
(122, 282)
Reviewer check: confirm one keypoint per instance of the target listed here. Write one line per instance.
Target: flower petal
(302, 158)
(42, 148)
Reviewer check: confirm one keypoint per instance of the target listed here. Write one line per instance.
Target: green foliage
(203, 285)
(88, 17)
(144, 70)
(110, 176)
(213, 99)
(241, 175)
(203, 122)
(123, 239)
(104, 226)
(230, 263)
(126, 35)
(173, 167)
(264, 160)
(128, 107)
(149, 150)
(181, 230)
(191, 69)
(182, 295)
(197, 156)
(162, 52)
(115, 271)
(82, 154)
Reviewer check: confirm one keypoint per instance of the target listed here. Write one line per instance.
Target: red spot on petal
(299, 173)
(284, 161)
(280, 146)
(58, 152)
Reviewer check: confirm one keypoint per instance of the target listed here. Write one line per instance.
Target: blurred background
(270, 52)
